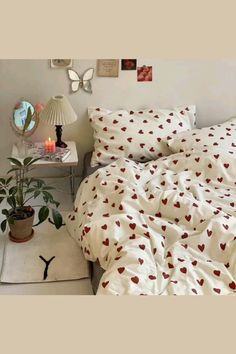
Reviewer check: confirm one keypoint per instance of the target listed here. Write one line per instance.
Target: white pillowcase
(137, 135)
(220, 135)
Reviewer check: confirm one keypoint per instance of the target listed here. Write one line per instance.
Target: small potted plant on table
(17, 191)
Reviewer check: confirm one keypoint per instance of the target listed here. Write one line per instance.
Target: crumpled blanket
(166, 227)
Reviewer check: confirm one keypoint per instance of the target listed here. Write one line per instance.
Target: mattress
(87, 169)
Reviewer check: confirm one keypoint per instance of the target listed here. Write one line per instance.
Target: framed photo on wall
(61, 63)
(108, 67)
(128, 64)
(144, 73)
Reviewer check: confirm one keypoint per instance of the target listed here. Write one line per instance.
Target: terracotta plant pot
(21, 230)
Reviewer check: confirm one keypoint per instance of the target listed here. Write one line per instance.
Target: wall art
(108, 67)
(61, 63)
(83, 82)
(128, 64)
(144, 73)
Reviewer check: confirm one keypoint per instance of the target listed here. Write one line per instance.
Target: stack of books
(60, 155)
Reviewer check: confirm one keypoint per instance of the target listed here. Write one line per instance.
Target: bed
(166, 226)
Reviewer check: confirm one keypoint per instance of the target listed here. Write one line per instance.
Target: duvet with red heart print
(166, 227)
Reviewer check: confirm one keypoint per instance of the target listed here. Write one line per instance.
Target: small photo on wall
(108, 67)
(144, 73)
(61, 63)
(128, 64)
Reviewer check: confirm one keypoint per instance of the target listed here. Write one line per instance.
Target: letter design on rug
(45, 274)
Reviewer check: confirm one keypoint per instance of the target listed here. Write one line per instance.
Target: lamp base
(59, 142)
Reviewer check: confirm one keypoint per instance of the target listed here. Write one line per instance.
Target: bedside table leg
(72, 182)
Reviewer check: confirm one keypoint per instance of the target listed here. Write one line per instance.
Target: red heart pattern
(121, 269)
(135, 280)
(216, 135)
(116, 134)
(161, 227)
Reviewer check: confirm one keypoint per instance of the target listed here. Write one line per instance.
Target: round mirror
(19, 118)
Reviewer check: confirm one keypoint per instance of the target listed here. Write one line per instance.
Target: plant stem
(28, 200)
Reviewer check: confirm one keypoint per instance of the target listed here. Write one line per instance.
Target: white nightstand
(71, 162)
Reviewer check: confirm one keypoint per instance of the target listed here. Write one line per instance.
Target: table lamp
(58, 111)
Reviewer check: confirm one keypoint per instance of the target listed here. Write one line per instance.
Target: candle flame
(49, 139)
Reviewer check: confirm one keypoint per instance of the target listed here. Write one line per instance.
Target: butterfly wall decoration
(83, 82)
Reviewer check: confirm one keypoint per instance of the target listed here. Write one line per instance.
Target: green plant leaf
(57, 218)
(2, 180)
(42, 214)
(15, 161)
(13, 169)
(39, 183)
(12, 202)
(27, 160)
(8, 180)
(4, 225)
(47, 197)
(1, 199)
(34, 160)
(11, 220)
(48, 188)
(56, 203)
(5, 212)
(28, 120)
(36, 194)
(30, 190)
(13, 190)
(2, 191)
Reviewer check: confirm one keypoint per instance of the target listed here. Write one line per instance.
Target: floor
(72, 287)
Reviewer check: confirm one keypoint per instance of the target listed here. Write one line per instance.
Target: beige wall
(211, 85)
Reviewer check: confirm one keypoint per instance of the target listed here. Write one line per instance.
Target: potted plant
(17, 191)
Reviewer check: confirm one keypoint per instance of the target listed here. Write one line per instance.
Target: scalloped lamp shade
(58, 112)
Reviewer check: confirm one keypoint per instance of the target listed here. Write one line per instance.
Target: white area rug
(51, 255)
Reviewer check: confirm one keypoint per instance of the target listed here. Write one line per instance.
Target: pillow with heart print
(137, 135)
(219, 136)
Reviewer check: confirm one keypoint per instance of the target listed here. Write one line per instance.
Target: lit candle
(49, 145)
(46, 146)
